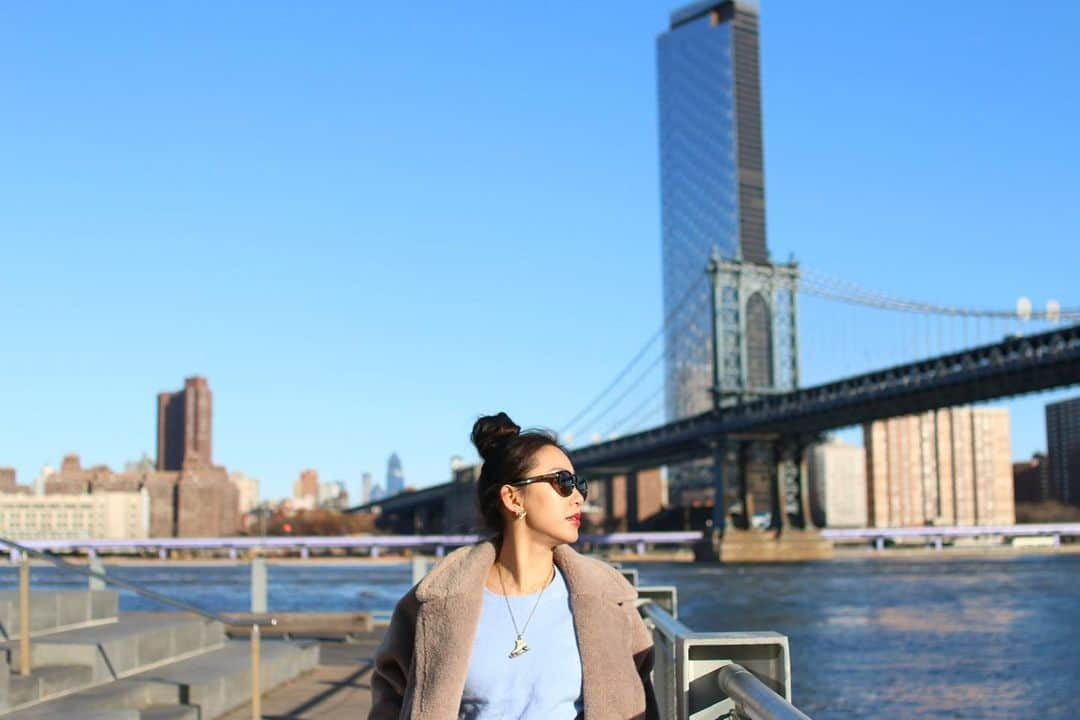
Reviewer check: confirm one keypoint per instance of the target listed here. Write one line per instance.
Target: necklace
(520, 648)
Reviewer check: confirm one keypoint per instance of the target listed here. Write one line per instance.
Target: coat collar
(464, 572)
(450, 598)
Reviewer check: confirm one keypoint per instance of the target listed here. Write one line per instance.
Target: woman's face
(549, 513)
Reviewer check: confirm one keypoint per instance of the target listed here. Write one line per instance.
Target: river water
(989, 638)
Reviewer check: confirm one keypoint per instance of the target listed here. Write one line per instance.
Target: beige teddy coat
(421, 665)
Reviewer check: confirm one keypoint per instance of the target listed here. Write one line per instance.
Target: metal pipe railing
(754, 700)
(24, 612)
(685, 658)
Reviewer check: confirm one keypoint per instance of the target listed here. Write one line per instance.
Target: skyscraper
(365, 488)
(185, 426)
(395, 476)
(1063, 449)
(712, 188)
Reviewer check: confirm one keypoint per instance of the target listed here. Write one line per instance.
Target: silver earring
(521, 513)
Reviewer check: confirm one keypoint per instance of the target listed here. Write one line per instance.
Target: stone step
(54, 610)
(135, 642)
(220, 681)
(119, 700)
(170, 712)
(44, 683)
(212, 683)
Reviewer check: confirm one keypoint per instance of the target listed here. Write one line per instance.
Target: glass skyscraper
(712, 189)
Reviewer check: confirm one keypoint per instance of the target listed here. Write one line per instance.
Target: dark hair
(507, 454)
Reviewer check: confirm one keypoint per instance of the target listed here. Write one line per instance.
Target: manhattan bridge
(743, 438)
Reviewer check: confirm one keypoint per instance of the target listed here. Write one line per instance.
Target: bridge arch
(759, 343)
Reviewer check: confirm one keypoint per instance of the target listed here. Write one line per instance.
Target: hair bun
(492, 432)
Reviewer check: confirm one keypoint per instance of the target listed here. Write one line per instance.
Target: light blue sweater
(542, 684)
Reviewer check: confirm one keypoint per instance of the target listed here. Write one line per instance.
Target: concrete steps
(55, 610)
(92, 664)
(203, 687)
(47, 682)
(68, 660)
(135, 642)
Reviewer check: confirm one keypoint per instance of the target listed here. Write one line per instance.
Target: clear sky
(367, 223)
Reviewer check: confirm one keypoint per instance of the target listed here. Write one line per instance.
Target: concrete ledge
(53, 611)
(762, 546)
(306, 624)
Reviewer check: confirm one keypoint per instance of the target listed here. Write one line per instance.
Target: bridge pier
(756, 473)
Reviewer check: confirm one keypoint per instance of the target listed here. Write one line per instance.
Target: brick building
(7, 480)
(185, 426)
(306, 490)
(946, 467)
(1063, 450)
(188, 495)
(1031, 480)
(197, 501)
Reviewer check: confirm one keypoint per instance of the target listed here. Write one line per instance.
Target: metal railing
(753, 699)
(24, 612)
(374, 544)
(715, 675)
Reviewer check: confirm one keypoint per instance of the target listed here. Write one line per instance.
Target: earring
(521, 513)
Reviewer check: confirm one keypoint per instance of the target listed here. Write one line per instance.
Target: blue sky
(367, 223)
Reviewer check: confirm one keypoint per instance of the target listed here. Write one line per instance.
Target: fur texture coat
(422, 663)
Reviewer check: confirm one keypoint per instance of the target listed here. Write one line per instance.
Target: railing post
(419, 568)
(256, 692)
(24, 616)
(99, 567)
(258, 585)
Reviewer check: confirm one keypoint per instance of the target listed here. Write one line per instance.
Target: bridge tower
(755, 337)
(759, 481)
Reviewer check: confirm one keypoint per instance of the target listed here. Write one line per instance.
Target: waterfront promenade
(963, 633)
(338, 689)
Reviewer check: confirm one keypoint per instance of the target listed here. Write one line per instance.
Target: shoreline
(843, 553)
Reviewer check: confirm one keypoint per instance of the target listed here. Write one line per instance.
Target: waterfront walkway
(339, 688)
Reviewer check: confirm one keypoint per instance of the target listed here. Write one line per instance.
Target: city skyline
(366, 245)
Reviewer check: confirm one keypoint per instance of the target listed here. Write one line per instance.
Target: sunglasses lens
(568, 481)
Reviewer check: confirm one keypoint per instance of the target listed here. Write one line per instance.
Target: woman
(520, 625)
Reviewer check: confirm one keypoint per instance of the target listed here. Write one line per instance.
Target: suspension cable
(640, 354)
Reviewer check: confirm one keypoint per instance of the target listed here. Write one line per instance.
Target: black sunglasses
(563, 481)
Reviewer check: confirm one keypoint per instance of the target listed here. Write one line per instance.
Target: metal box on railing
(687, 666)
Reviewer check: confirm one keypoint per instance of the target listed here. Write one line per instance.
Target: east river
(984, 638)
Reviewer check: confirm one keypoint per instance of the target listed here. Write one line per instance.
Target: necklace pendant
(520, 648)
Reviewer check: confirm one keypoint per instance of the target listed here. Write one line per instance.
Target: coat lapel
(450, 597)
(601, 635)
